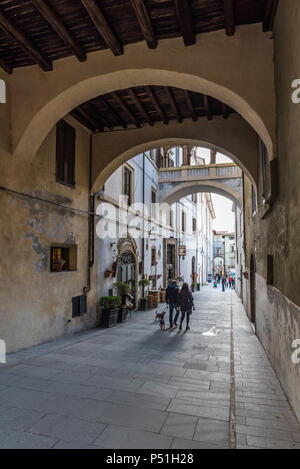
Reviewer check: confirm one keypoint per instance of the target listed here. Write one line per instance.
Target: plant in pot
(110, 306)
(123, 289)
(193, 287)
(198, 286)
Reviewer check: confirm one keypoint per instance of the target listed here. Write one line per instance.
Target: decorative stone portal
(127, 265)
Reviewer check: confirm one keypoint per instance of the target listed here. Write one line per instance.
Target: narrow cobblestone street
(134, 386)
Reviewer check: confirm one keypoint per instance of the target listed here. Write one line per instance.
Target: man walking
(171, 300)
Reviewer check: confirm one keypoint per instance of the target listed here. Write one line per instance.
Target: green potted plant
(143, 303)
(110, 306)
(193, 287)
(123, 289)
(198, 286)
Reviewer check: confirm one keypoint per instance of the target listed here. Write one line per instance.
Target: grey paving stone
(269, 443)
(157, 389)
(83, 408)
(179, 425)
(281, 424)
(35, 371)
(21, 440)
(13, 418)
(265, 432)
(143, 418)
(214, 432)
(140, 400)
(296, 436)
(23, 398)
(116, 437)
(180, 443)
(68, 429)
(115, 383)
(184, 407)
(74, 445)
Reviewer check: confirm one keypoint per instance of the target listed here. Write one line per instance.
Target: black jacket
(185, 301)
(172, 294)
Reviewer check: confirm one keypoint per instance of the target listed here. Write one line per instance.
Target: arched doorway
(127, 268)
(252, 290)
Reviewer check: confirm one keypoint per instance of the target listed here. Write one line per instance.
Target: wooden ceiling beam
(138, 104)
(77, 115)
(156, 104)
(207, 107)
(229, 16)
(114, 113)
(269, 15)
(224, 110)
(125, 109)
(144, 22)
(97, 116)
(59, 27)
(6, 67)
(88, 115)
(185, 18)
(13, 31)
(173, 104)
(102, 26)
(190, 105)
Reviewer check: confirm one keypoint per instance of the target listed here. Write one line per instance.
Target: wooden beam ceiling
(56, 23)
(13, 31)
(147, 104)
(229, 16)
(173, 104)
(125, 109)
(185, 18)
(156, 104)
(144, 22)
(6, 66)
(116, 116)
(190, 105)
(103, 26)
(138, 104)
(269, 15)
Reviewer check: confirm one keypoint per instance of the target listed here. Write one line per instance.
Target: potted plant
(143, 304)
(198, 286)
(110, 306)
(123, 289)
(193, 287)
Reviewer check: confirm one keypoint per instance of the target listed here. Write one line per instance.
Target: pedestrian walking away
(171, 300)
(186, 304)
(223, 283)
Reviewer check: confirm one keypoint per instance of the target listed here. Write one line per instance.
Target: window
(219, 251)
(194, 225)
(231, 248)
(127, 184)
(270, 270)
(171, 218)
(153, 203)
(65, 153)
(79, 307)
(153, 256)
(63, 258)
(183, 221)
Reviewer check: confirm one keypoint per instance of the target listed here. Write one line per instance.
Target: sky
(225, 220)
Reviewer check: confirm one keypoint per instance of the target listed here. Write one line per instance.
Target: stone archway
(40, 100)
(128, 246)
(182, 190)
(232, 137)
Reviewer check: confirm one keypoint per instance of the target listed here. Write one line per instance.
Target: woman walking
(186, 304)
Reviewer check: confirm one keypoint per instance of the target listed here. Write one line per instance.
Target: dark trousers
(183, 313)
(171, 309)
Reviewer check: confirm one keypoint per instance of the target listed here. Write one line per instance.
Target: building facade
(138, 238)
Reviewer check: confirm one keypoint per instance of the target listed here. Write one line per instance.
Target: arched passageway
(39, 101)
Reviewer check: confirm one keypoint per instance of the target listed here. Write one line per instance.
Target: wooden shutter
(65, 153)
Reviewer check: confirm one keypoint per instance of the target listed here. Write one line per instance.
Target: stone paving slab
(134, 386)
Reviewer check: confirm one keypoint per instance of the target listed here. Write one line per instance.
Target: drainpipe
(143, 238)
(91, 223)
